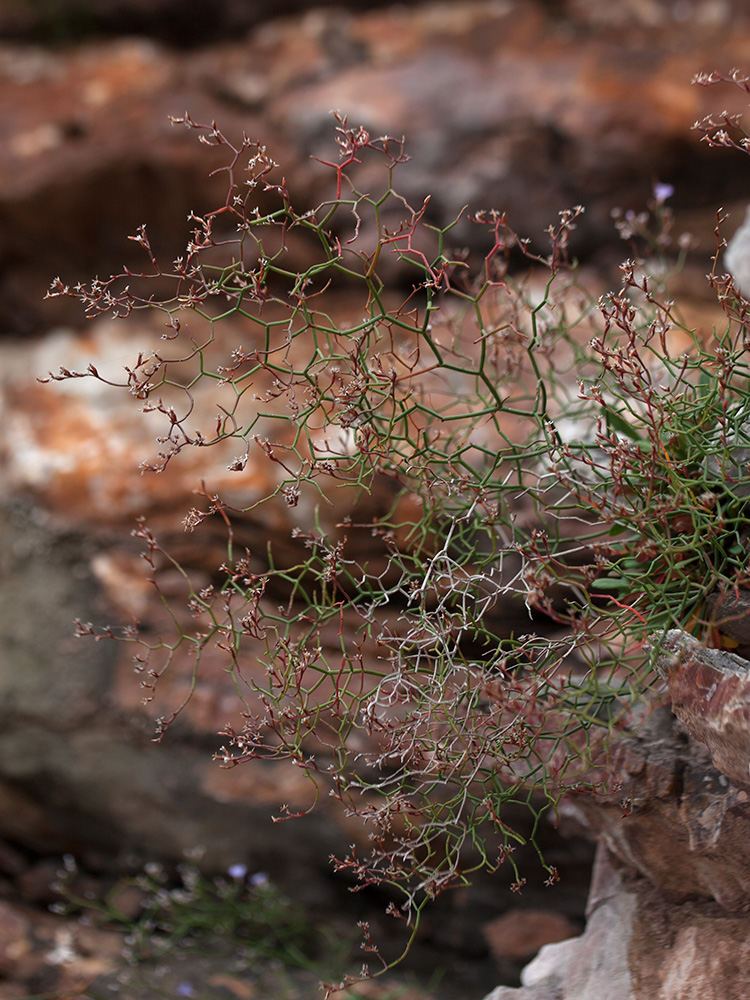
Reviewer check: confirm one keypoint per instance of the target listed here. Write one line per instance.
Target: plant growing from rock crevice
(543, 479)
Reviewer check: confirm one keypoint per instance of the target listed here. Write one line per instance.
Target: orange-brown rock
(710, 694)
(519, 934)
(508, 104)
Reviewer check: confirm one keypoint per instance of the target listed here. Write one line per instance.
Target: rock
(737, 257)
(174, 22)
(709, 959)
(667, 914)
(729, 613)
(88, 136)
(673, 818)
(111, 785)
(12, 862)
(638, 947)
(39, 951)
(15, 939)
(35, 885)
(590, 967)
(39, 884)
(710, 692)
(519, 934)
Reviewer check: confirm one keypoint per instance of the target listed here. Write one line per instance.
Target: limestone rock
(737, 256)
(638, 947)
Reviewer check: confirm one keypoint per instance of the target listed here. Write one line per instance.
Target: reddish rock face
(667, 912)
(519, 934)
(672, 817)
(511, 105)
(710, 695)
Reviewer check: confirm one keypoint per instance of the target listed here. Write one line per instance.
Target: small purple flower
(185, 990)
(662, 192)
(259, 879)
(238, 871)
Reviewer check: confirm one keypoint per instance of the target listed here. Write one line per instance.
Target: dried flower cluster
(529, 452)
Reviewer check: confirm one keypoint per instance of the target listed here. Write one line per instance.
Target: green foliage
(248, 914)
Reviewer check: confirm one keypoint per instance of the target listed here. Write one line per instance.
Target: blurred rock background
(528, 106)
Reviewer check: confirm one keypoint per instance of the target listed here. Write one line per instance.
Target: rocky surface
(522, 106)
(667, 915)
(519, 933)
(710, 693)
